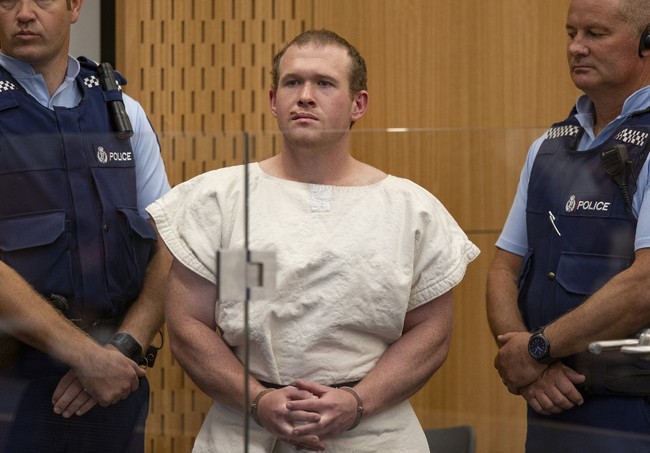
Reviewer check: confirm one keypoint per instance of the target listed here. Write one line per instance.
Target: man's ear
(272, 102)
(75, 7)
(359, 105)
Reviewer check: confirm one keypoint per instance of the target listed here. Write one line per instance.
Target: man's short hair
(358, 71)
(636, 13)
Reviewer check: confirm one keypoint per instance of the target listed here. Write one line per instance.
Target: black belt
(101, 329)
(271, 385)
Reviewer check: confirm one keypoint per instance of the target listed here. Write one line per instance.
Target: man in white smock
(362, 315)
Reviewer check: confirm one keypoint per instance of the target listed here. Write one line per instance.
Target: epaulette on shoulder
(7, 83)
(91, 65)
(563, 131)
(567, 128)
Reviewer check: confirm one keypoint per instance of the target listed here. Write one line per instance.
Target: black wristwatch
(539, 347)
(128, 346)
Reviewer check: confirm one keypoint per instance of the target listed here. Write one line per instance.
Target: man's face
(313, 94)
(36, 31)
(602, 51)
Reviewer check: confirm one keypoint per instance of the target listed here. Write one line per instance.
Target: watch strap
(128, 346)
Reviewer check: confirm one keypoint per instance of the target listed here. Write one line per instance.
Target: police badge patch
(102, 155)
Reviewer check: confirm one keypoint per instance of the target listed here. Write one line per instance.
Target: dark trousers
(603, 424)
(32, 425)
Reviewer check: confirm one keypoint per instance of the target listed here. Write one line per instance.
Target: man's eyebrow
(317, 75)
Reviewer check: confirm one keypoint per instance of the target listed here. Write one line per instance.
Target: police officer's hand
(107, 376)
(555, 390)
(516, 368)
(71, 398)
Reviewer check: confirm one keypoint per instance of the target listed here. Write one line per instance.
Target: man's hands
(337, 410)
(106, 378)
(548, 389)
(274, 414)
(555, 390)
(307, 413)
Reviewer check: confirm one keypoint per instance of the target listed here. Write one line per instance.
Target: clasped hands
(306, 413)
(105, 379)
(548, 389)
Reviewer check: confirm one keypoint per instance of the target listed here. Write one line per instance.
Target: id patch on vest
(588, 205)
(113, 158)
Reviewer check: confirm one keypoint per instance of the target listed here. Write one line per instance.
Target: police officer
(573, 264)
(80, 270)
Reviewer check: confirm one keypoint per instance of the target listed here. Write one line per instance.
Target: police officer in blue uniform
(572, 264)
(81, 273)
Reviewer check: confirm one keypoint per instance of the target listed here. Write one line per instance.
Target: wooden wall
(472, 81)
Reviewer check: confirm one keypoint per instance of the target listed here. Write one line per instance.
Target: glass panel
(473, 173)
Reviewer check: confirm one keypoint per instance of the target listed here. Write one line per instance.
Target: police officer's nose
(24, 11)
(578, 47)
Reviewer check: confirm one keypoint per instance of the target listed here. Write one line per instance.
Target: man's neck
(609, 103)
(53, 74)
(335, 169)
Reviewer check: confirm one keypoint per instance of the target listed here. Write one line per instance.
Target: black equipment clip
(149, 358)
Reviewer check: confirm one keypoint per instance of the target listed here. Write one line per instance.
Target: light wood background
(472, 81)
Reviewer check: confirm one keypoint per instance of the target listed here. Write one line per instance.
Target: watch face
(537, 347)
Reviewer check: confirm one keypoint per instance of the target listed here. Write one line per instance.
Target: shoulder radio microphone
(116, 108)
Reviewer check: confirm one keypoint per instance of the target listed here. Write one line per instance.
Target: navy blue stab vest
(596, 239)
(69, 220)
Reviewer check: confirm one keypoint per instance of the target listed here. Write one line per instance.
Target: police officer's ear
(73, 6)
(644, 42)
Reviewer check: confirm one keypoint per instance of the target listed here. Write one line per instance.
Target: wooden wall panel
(458, 63)
(473, 82)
